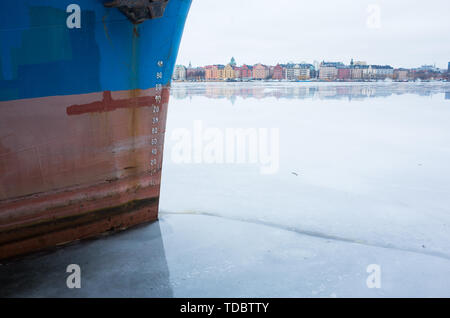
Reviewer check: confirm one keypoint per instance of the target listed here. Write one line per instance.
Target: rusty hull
(72, 167)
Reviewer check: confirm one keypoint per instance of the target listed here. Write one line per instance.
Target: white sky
(411, 32)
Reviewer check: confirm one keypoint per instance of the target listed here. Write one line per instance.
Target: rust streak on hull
(108, 104)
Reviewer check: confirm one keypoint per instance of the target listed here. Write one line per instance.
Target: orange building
(260, 71)
(211, 72)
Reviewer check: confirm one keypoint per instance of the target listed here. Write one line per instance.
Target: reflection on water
(127, 264)
(307, 90)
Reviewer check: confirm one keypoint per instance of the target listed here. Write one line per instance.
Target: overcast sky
(403, 33)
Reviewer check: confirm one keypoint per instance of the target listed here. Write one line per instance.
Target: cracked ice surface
(363, 179)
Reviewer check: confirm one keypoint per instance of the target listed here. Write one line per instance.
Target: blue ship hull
(83, 104)
(41, 56)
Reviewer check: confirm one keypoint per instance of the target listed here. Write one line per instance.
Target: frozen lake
(363, 179)
(345, 193)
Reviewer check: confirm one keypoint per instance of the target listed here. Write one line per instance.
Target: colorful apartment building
(221, 72)
(245, 72)
(344, 73)
(228, 72)
(260, 71)
(211, 72)
(278, 72)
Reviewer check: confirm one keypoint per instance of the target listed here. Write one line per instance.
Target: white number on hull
(74, 19)
(155, 120)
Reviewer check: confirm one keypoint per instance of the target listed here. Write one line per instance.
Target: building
(356, 72)
(344, 73)
(179, 73)
(303, 73)
(245, 72)
(237, 72)
(306, 71)
(195, 74)
(401, 74)
(313, 71)
(221, 72)
(211, 72)
(328, 71)
(278, 72)
(296, 72)
(260, 71)
(290, 72)
(374, 72)
(382, 71)
(367, 72)
(228, 72)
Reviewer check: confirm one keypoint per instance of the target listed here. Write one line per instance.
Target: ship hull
(82, 121)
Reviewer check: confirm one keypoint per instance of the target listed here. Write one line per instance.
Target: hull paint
(80, 159)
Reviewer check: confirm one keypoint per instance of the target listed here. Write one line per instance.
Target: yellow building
(228, 72)
(220, 72)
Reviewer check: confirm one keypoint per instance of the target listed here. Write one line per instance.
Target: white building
(383, 71)
(297, 71)
(329, 70)
(179, 73)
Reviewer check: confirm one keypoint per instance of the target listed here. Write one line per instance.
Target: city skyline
(324, 71)
(402, 33)
(318, 61)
